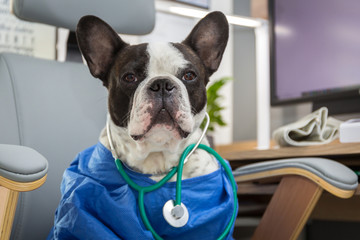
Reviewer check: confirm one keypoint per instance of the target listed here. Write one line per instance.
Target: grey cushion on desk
(21, 164)
(125, 16)
(332, 172)
(58, 109)
(314, 129)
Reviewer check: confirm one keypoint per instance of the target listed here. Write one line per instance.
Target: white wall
(245, 77)
(224, 135)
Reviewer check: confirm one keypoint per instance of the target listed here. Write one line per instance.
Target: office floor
(314, 230)
(333, 230)
(245, 227)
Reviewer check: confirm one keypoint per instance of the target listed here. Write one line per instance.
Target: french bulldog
(156, 103)
(156, 92)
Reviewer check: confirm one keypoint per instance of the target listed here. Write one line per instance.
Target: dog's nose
(162, 85)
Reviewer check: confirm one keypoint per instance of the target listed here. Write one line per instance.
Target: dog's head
(157, 91)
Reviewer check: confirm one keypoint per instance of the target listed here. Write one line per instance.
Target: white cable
(201, 137)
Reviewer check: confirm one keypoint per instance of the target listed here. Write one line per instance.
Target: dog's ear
(99, 44)
(209, 38)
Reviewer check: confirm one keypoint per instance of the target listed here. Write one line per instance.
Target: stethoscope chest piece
(176, 215)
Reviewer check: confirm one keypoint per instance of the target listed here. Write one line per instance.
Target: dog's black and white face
(157, 91)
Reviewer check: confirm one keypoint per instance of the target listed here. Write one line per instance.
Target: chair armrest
(21, 168)
(330, 175)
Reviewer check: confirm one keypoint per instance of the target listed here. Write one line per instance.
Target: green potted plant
(214, 107)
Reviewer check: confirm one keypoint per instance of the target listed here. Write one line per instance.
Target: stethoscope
(174, 211)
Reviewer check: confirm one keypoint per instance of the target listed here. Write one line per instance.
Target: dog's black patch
(196, 89)
(208, 39)
(131, 60)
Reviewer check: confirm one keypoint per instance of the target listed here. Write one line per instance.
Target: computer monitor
(315, 53)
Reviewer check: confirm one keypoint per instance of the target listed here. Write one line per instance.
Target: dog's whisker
(126, 119)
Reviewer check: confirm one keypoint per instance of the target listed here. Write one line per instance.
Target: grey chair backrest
(57, 108)
(125, 16)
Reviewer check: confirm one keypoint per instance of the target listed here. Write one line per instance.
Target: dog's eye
(130, 77)
(188, 76)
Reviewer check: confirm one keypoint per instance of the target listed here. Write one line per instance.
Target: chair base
(8, 201)
(288, 209)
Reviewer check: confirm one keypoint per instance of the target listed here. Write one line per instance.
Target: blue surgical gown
(98, 204)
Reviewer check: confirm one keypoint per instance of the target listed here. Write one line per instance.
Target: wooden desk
(329, 207)
(242, 153)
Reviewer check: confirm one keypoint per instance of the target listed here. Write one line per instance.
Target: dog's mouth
(165, 120)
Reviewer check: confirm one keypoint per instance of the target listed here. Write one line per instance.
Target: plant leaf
(213, 106)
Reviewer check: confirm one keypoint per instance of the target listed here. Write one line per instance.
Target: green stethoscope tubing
(179, 170)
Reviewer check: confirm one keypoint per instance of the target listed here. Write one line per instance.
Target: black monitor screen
(315, 49)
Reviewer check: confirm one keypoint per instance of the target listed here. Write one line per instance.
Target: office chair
(302, 181)
(58, 109)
